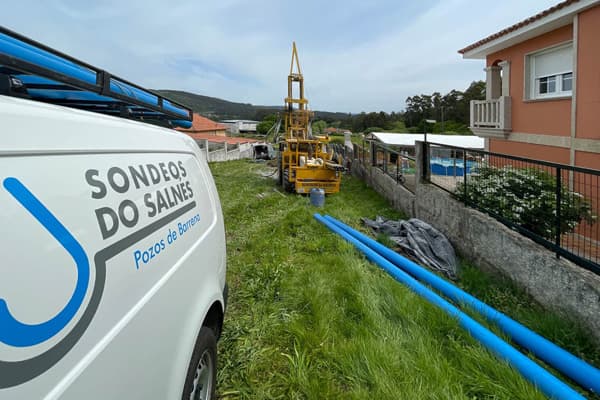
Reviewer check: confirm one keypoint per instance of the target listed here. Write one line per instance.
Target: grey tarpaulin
(420, 240)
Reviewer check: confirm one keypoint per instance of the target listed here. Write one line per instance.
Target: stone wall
(556, 283)
(400, 197)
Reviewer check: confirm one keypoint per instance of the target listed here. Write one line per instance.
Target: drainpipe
(546, 382)
(575, 368)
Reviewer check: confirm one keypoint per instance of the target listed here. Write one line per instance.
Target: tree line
(434, 113)
(449, 111)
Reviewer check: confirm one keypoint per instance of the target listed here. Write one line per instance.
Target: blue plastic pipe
(77, 95)
(546, 382)
(27, 52)
(182, 123)
(575, 368)
(34, 55)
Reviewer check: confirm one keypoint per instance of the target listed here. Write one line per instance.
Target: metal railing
(401, 166)
(556, 205)
(362, 153)
(340, 152)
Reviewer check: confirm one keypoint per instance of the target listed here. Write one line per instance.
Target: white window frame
(559, 92)
(532, 82)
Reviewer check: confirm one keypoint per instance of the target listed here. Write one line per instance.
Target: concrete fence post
(373, 153)
(206, 149)
(422, 163)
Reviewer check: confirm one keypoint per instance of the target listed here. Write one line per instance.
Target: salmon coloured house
(543, 86)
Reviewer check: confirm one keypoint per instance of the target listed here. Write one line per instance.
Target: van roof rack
(32, 70)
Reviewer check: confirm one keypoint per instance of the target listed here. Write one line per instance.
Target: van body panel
(113, 248)
(35, 127)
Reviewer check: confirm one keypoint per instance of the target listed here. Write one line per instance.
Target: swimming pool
(450, 166)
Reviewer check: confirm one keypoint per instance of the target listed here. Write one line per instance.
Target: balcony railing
(491, 115)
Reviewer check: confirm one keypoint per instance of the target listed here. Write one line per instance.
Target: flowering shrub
(527, 197)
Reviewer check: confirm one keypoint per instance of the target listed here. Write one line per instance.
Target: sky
(355, 55)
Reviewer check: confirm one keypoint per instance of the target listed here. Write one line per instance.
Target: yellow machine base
(320, 178)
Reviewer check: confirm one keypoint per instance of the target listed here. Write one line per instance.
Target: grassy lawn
(310, 318)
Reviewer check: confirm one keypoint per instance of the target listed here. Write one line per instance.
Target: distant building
(240, 125)
(203, 127)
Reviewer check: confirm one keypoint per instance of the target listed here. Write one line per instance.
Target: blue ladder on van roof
(32, 70)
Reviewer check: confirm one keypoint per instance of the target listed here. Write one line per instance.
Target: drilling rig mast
(305, 161)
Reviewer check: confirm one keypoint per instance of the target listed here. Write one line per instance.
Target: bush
(527, 197)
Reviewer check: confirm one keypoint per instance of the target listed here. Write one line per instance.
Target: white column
(493, 84)
(505, 66)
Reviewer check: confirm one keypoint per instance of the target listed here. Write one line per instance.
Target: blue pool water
(450, 166)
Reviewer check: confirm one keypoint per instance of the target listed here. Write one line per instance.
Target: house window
(567, 82)
(557, 85)
(546, 84)
(550, 73)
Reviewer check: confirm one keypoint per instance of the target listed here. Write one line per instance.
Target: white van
(112, 271)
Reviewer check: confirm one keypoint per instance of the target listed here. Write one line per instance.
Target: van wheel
(201, 378)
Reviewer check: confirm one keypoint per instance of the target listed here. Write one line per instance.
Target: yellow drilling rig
(305, 161)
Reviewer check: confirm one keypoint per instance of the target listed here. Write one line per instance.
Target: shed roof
(409, 139)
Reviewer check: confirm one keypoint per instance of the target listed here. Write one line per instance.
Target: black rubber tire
(287, 185)
(280, 165)
(206, 344)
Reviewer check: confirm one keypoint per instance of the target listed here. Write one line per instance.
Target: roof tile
(202, 124)
(518, 25)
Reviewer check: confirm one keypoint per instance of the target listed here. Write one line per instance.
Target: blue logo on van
(19, 334)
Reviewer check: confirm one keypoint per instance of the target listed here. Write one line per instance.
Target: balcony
(491, 118)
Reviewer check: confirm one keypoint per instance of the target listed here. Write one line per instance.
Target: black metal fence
(556, 205)
(340, 152)
(362, 153)
(399, 165)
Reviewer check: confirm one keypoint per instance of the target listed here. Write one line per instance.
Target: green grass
(506, 297)
(310, 318)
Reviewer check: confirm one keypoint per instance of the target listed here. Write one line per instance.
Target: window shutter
(554, 62)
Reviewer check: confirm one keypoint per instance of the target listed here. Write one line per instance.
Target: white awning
(409, 139)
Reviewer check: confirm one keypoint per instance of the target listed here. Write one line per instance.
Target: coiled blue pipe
(546, 382)
(575, 368)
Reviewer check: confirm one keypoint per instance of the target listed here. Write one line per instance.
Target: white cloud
(355, 55)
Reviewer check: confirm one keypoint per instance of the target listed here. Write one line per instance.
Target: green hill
(218, 109)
